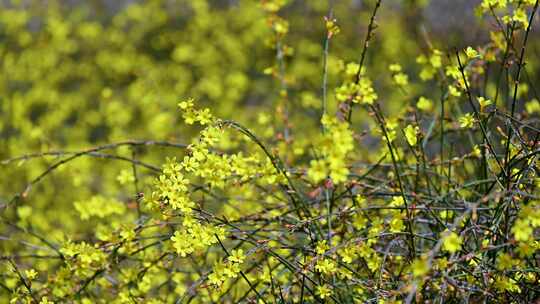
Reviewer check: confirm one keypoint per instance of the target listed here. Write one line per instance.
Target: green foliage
(271, 151)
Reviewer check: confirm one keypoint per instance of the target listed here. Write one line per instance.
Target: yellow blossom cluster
(528, 220)
(357, 88)
(332, 150)
(228, 269)
(100, 207)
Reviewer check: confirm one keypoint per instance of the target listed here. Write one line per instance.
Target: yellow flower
(322, 247)
(446, 214)
(352, 69)
(451, 242)
(397, 201)
(520, 16)
(24, 212)
(348, 254)
(471, 53)
(453, 91)
(30, 274)
(401, 79)
(396, 224)
(483, 102)
(45, 300)
(334, 147)
(466, 121)
(411, 134)
(419, 267)
(505, 261)
(453, 71)
(125, 177)
(427, 73)
(204, 117)
(281, 26)
(506, 284)
(326, 266)
(436, 59)
(182, 244)
(323, 291)
(187, 104)
(360, 221)
(237, 256)
(365, 92)
(231, 270)
(395, 67)
(490, 4)
(398, 76)
(533, 106)
(424, 104)
(526, 249)
(522, 230)
(390, 130)
(100, 207)
(318, 170)
(361, 200)
(476, 152)
(331, 27)
(217, 276)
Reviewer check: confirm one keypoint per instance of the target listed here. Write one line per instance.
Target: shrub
(399, 177)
